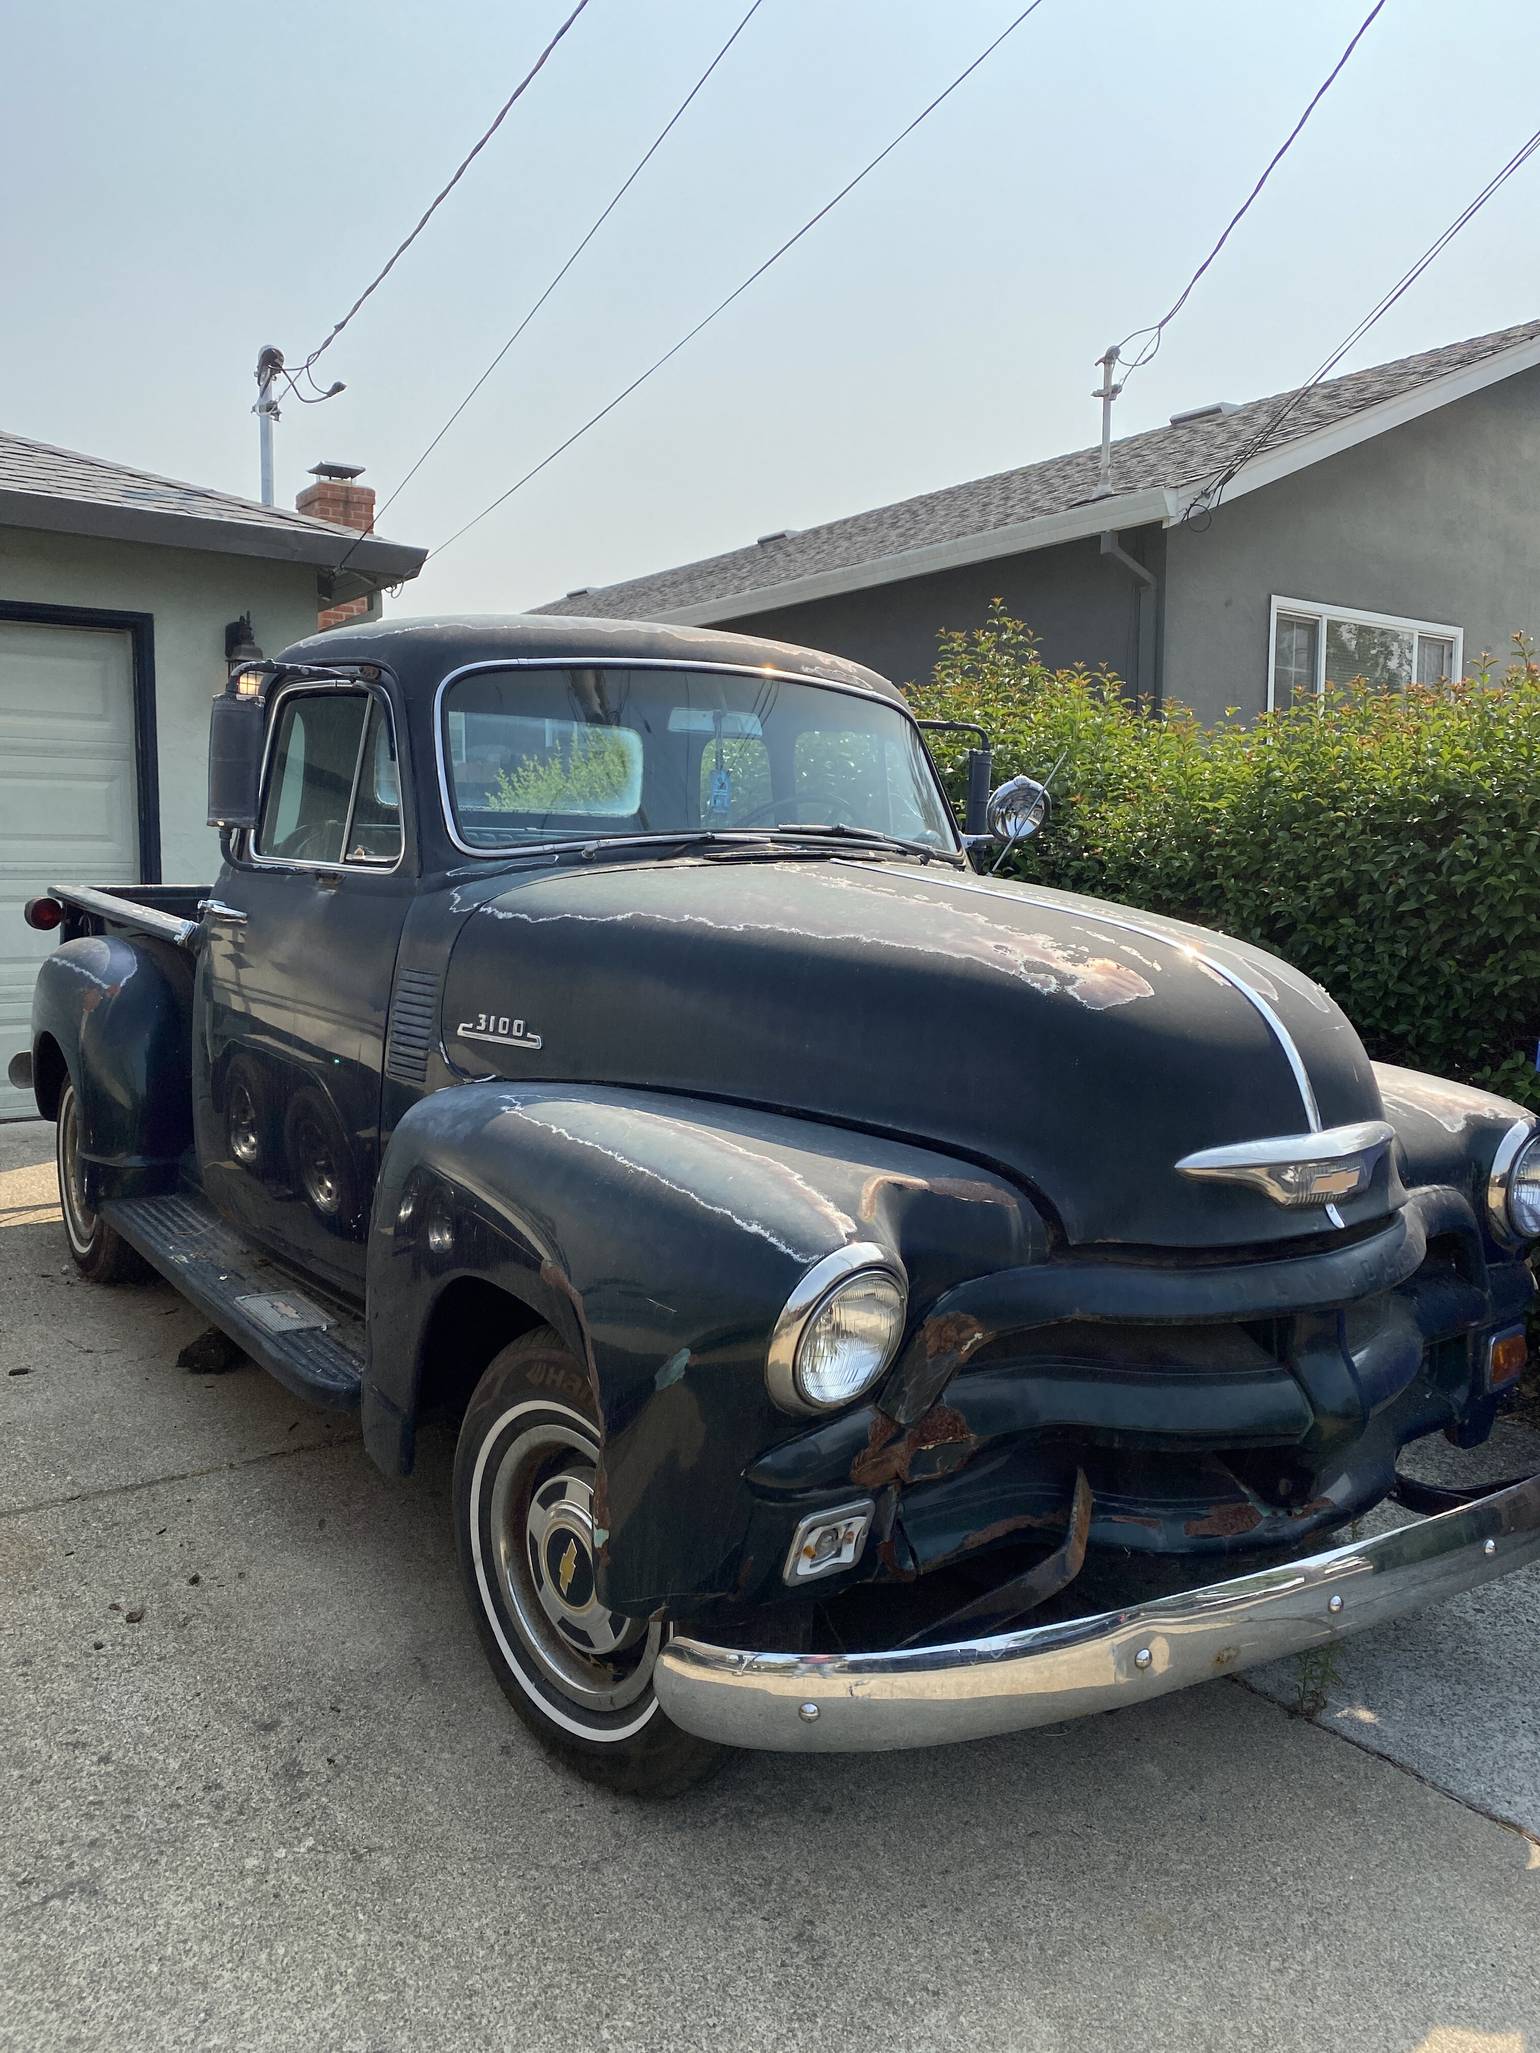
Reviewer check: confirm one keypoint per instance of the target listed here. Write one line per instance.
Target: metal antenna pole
(1106, 392)
(269, 364)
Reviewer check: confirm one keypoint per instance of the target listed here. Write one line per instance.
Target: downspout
(1144, 647)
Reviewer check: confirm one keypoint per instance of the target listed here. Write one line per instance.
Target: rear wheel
(579, 1674)
(101, 1255)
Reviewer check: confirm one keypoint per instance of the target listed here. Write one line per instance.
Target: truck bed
(168, 911)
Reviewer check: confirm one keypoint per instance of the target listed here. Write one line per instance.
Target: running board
(313, 1349)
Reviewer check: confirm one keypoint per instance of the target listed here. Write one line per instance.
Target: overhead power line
(1209, 497)
(465, 164)
(738, 290)
(1158, 328)
(619, 194)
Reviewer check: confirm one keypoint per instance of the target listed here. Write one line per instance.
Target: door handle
(227, 915)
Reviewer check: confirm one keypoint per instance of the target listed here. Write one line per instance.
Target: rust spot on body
(1028, 1522)
(1224, 1522)
(956, 1334)
(935, 1445)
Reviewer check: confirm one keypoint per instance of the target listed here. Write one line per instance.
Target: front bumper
(932, 1696)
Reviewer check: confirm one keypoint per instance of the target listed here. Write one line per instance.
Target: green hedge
(1387, 842)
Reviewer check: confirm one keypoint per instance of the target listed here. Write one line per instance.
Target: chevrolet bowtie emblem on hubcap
(569, 1562)
(1299, 1168)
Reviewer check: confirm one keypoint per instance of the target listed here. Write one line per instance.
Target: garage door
(67, 804)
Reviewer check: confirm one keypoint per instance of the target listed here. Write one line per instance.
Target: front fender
(1448, 1132)
(118, 1011)
(661, 1236)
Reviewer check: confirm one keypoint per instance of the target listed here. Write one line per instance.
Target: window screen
(1313, 645)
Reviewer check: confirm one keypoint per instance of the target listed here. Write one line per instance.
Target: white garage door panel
(68, 811)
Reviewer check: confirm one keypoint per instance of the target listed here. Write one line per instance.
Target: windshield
(580, 754)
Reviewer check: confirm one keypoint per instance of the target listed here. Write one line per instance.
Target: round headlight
(1524, 1191)
(1513, 1190)
(840, 1329)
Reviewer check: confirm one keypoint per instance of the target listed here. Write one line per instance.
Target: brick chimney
(338, 497)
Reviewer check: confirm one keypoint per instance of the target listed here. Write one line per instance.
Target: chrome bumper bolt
(807, 1713)
(1143, 1658)
(1489, 1547)
(1334, 1603)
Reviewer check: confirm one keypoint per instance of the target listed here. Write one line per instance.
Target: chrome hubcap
(544, 1548)
(317, 1170)
(243, 1126)
(79, 1219)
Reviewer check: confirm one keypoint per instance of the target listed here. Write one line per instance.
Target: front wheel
(579, 1674)
(101, 1254)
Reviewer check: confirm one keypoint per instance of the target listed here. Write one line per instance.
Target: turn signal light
(43, 913)
(1506, 1356)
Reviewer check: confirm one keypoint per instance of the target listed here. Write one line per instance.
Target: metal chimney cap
(343, 473)
(1211, 411)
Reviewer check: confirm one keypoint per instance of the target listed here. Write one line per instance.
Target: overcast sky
(187, 179)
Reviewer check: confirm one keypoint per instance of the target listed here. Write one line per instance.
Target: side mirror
(1017, 809)
(237, 732)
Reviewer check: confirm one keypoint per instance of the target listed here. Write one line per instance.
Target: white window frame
(1319, 611)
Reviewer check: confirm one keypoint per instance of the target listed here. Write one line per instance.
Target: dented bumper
(973, 1689)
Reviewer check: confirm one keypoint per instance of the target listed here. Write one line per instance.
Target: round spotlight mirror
(1017, 809)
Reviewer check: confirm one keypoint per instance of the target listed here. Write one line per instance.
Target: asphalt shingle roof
(1162, 457)
(42, 481)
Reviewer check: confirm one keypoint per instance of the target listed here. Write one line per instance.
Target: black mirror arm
(981, 771)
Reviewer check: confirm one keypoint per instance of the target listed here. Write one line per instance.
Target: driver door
(297, 975)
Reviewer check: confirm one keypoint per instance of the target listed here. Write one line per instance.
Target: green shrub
(1387, 842)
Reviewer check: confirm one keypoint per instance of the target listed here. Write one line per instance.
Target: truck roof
(421, 652)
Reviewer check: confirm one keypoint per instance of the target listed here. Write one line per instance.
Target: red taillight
(43, 913)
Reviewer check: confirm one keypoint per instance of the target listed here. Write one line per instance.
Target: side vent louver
(413, 1026)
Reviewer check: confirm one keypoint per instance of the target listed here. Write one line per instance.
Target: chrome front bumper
(931, 1696)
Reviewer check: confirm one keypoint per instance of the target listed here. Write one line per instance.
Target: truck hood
(1081, 1048)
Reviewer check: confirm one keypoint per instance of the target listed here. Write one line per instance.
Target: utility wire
(464, 166)
(1158, 329)
(739, 290)
(1208, 498)
(640, 166)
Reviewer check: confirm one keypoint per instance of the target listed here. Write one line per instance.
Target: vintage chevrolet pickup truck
(604, 1036)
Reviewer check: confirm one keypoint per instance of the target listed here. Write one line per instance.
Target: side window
(375, 833)
(310, 782)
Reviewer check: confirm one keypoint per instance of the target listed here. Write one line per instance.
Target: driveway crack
(186, 1475)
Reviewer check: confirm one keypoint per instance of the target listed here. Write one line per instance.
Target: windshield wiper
(867, 837)
(682, 837)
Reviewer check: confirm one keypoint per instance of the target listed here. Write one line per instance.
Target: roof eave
(1152, 507)
(381, 562)
(1167, 505)
(1355, 428)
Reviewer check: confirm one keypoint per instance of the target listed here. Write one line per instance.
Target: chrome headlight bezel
(821, 1284)
(1522, 1138)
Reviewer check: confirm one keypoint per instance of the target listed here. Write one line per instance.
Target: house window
(1315, 644)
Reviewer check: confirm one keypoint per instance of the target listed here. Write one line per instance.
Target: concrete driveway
(257, 1789)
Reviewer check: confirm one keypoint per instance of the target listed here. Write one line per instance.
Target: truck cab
(606, 1035)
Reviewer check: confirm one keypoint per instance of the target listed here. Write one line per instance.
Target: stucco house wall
(1438, 520)
(1082, 606)
(191, 594)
